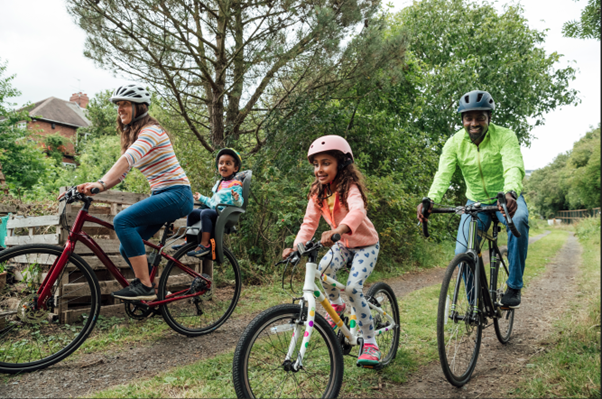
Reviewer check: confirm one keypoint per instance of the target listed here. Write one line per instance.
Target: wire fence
(575, 215)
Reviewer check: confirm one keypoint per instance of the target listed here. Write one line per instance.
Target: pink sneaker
(340, 309)
(370, 356)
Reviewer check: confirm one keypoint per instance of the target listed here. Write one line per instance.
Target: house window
(53, 125)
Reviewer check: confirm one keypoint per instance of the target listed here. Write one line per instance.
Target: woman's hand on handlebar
(287, 252)
(86, 187)
(326, 240)
(510, 204)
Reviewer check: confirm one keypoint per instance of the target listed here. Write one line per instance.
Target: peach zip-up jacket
(362, 232)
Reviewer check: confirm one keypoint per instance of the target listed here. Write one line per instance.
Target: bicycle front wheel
(260, 368)
(200, 315)
(381, 295)
(504, 321)
(458, 332)
(33, 337)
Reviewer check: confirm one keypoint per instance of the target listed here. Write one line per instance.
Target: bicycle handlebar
(427, 205)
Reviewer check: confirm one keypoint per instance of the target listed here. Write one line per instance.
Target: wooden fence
(48, 230)
(575, 215)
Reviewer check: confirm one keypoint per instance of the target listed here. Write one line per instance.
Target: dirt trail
(94, 372)
(498, 365)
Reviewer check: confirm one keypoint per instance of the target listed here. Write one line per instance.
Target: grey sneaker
(136, 291)
(511, 298)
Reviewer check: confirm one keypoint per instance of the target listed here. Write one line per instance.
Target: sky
(44, 49)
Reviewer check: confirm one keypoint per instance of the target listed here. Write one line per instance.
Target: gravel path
(94, 372)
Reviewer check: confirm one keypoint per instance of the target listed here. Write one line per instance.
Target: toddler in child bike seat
(338, 194)
(227, 190)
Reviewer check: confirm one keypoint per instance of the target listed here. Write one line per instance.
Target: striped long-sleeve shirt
(152, 153)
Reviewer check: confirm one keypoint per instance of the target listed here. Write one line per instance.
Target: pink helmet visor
(330, 143)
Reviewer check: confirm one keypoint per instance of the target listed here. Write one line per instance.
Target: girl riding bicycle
(146, 146)
(338, 194)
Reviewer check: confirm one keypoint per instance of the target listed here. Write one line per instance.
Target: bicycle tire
(33, 339)
(254, 377)
(504, 323)
(195, 316)
(456, 334)
(388, 342)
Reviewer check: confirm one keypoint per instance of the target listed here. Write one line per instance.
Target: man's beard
(477, 136)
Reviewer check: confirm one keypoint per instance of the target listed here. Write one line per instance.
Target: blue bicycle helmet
(476, 100)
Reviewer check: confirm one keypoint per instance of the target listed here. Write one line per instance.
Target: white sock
(371, 341)
(338, 301)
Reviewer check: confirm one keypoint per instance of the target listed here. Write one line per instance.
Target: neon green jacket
(495, 165)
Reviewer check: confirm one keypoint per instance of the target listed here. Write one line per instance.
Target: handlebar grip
(95, 190)
(335, 237)
(426, 206)
(502, 200)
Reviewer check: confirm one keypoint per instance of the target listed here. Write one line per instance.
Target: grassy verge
(571, 365)
(213, 377)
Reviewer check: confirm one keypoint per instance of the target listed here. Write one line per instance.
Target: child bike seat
(227, 218)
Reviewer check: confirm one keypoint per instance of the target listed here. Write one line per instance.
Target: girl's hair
(130, 134)
(345, 177)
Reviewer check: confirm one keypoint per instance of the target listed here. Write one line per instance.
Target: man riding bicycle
(490, 159)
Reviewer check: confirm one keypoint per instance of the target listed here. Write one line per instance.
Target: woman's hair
(343, 181)
(130, 134)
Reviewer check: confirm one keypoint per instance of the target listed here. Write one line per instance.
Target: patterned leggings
(363, 262)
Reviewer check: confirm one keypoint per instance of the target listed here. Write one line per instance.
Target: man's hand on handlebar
(510, 204)
(419, 212)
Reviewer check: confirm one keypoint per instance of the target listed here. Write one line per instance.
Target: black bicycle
(466, 306)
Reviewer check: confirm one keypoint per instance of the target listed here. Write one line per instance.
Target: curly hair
(345, 178)
(130, 134)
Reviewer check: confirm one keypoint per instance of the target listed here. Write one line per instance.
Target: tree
(464, 45)
(23, 162)
(588, 27)
(103, 116)
(225, 65)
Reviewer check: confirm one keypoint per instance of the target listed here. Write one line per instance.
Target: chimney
(80, 99)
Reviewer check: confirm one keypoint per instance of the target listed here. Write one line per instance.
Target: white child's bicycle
(291, 350)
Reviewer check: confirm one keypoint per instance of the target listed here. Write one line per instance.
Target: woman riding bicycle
(146, 146)
(338, 194)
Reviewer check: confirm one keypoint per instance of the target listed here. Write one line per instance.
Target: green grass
(418, 312)
(570, 366)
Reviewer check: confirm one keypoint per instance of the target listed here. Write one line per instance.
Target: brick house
(54, 115)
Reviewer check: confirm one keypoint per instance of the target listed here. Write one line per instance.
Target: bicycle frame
(77, 235)
(311, 292)
(489, 296)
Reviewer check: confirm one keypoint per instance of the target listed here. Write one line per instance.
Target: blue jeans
(517, 247)
(143, 219)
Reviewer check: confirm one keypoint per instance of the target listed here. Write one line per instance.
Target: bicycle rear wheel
(380, 294)
(260, 369)
(32, 338)
(200, 315)
(504, 323)
(458, 334)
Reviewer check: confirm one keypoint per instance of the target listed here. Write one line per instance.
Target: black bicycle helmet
(476, 100)
(233, 153)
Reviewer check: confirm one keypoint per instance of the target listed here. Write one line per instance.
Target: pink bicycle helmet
(331, 143)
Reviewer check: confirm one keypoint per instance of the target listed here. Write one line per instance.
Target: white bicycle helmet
(135, 93)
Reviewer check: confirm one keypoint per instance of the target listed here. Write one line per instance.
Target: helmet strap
(135, 120)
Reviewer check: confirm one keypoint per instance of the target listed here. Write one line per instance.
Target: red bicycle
(52, 297)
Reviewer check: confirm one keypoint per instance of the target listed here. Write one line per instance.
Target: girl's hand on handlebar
(86, 187)
(326, 240)
(287, 252)
(197, 196)
(510, 204)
